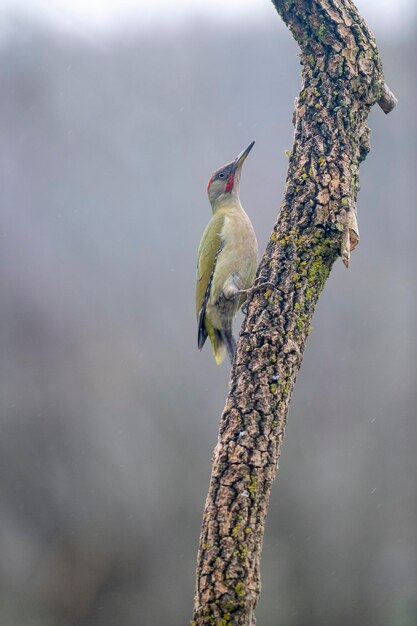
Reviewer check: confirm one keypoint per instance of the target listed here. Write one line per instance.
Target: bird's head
(226, 180)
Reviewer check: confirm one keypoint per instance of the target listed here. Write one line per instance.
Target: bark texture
(341, 79)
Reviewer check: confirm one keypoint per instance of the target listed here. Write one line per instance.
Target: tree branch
(342, 79)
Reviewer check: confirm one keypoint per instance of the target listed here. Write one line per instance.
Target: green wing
(208, 251)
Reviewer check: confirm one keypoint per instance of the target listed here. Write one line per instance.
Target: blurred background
(113, 116)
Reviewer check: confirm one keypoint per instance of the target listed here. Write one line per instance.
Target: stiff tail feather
(222, 341)
(230, 342)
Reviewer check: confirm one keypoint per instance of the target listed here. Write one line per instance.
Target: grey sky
(109, 14)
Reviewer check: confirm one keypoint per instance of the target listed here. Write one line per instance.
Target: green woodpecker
(227, 260)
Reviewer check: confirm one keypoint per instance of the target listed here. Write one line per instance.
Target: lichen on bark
(342, 79)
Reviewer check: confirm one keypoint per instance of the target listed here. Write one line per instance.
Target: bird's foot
(253, 289)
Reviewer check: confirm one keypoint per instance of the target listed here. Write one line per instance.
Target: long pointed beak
(242, 156)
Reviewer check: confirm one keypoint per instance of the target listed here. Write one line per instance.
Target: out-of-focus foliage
(108, 412)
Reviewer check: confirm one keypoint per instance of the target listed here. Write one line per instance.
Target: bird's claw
(253, 289)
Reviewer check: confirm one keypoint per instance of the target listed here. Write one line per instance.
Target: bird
(227, 260)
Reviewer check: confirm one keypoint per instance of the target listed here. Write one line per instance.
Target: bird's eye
(221, 175)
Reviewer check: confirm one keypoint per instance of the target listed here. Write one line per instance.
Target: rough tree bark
(342, 79)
